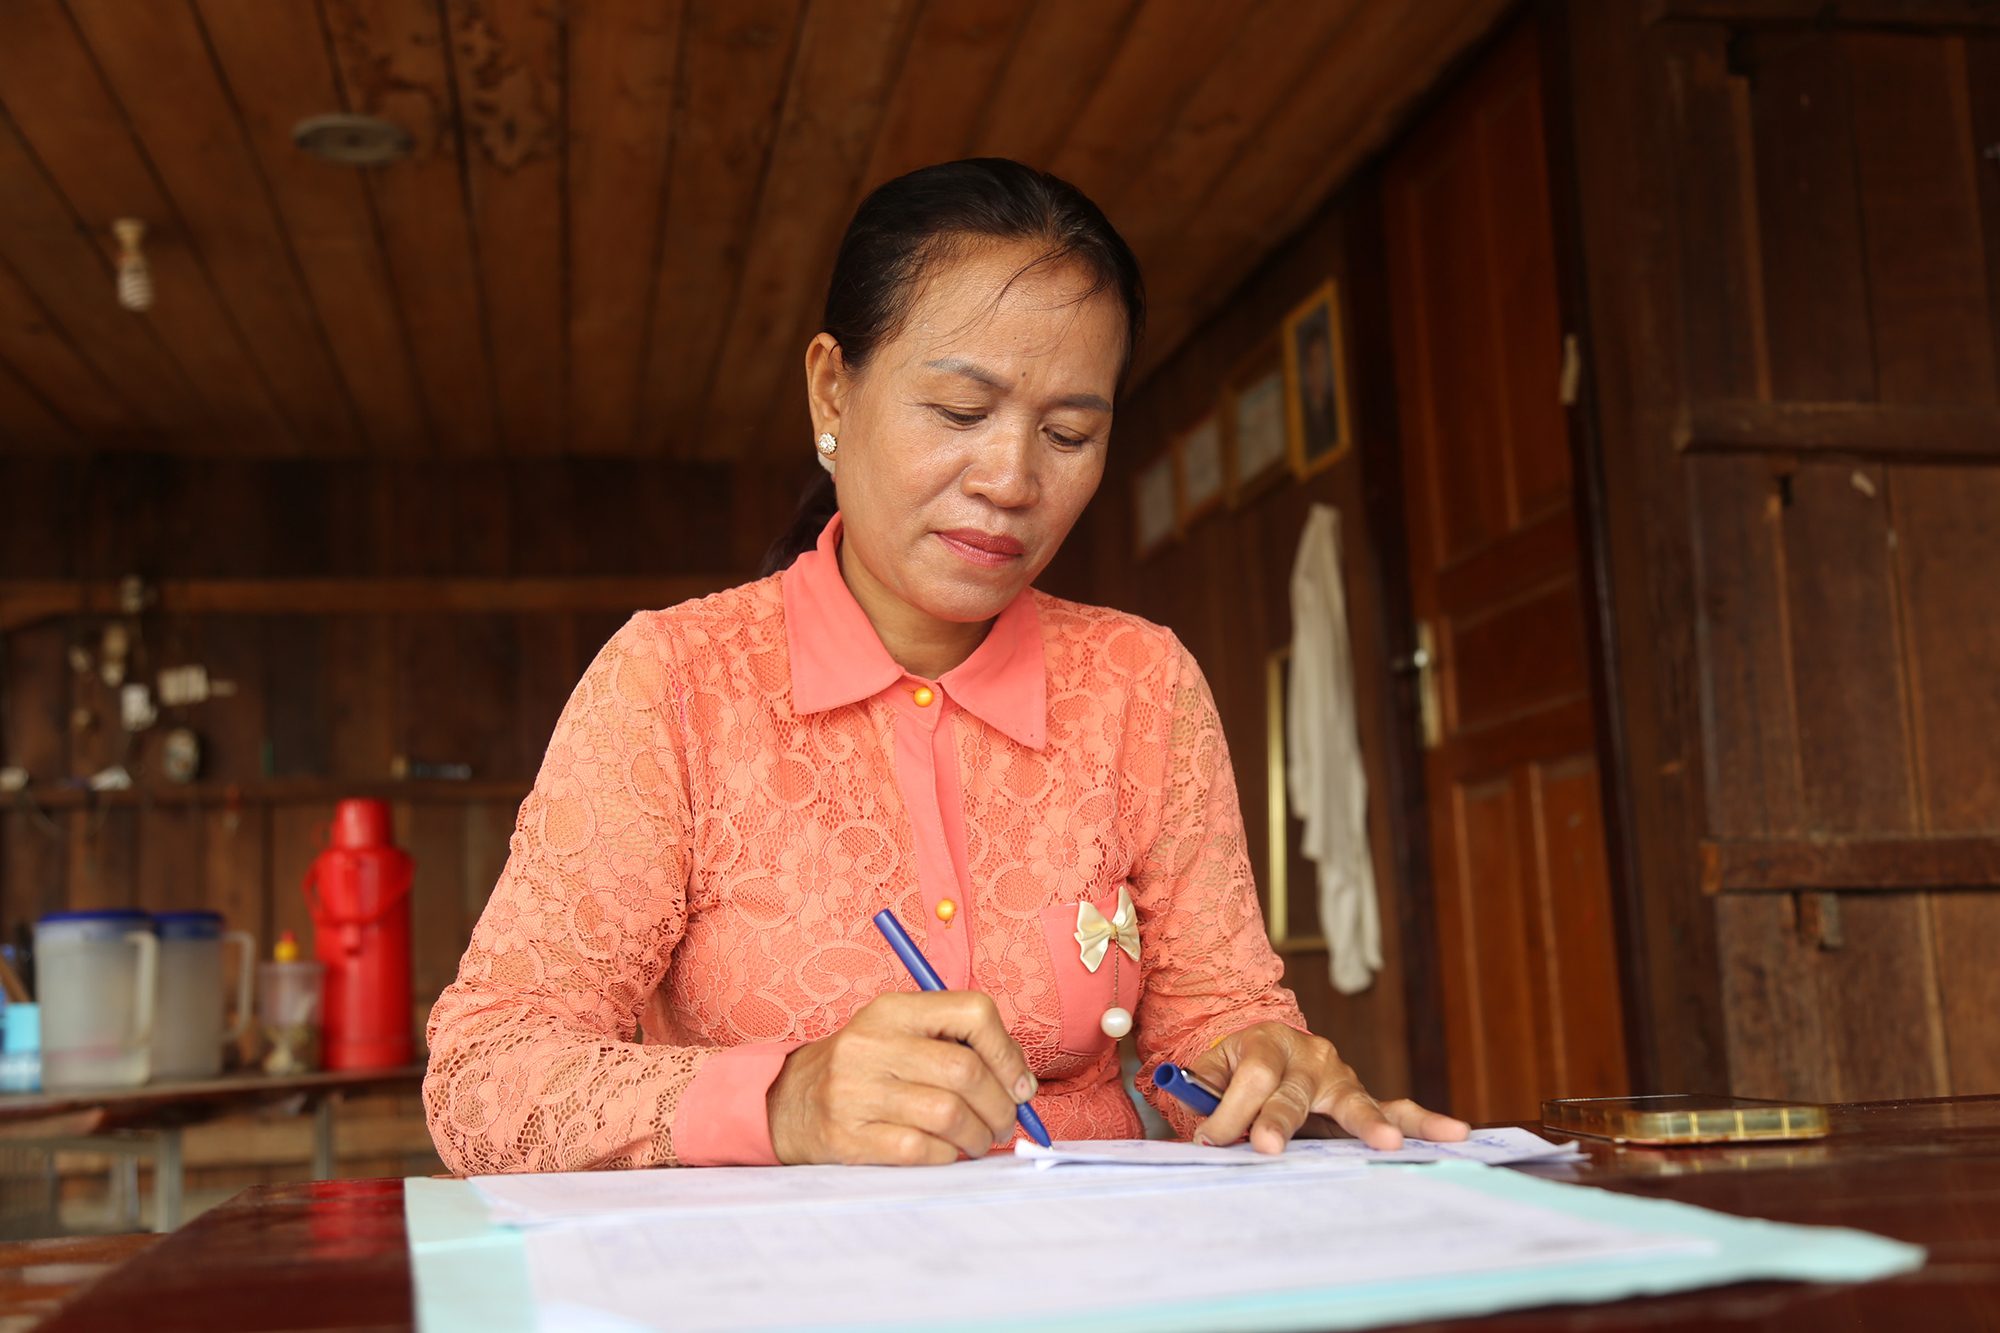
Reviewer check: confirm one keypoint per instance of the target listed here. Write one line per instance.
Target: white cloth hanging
(1323, 772)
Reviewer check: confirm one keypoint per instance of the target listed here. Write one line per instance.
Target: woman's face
(972, 440)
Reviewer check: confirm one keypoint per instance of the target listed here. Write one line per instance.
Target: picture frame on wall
(1291, 921)
(1255, 434)
(1200, 468)
(1318, 420)
(1155, 504)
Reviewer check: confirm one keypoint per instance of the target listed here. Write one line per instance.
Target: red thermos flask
(359, 892)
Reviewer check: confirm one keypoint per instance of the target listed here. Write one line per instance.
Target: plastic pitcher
(188, 1026)
(98, 971)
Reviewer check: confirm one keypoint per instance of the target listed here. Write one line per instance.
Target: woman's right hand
(895, 1087)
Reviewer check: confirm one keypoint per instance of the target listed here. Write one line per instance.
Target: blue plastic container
(21, 1048)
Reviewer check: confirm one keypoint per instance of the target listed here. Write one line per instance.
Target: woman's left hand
(1277, 1082)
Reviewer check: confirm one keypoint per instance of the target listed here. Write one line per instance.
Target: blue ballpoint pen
(1173, 1079)
(927, 978)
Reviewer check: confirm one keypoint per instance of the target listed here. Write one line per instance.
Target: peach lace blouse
(739, 783)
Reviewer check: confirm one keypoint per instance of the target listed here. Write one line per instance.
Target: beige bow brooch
(1094, 934)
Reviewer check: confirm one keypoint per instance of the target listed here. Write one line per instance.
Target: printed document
(1020, 1256)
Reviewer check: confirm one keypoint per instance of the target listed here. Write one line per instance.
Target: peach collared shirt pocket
(1084, 995)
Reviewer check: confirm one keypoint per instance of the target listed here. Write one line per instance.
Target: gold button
(946, 910)
(923, 696)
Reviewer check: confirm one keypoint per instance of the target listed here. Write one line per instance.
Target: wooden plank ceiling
(613, 234)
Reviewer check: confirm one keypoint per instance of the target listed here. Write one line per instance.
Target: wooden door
(1527, 953)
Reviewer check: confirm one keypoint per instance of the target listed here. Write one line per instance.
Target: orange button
(946, 910)
(923, 696)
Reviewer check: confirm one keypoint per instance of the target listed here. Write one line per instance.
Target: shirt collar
(838, 659)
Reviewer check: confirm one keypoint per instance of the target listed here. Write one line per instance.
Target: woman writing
(1039, 789)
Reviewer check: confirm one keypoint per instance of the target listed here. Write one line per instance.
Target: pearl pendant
(1116, 1022)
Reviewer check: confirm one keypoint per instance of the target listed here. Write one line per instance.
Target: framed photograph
(1293, 926)
(1155, 504)
(1199, 465)
(1253, 409)
(1316, 407)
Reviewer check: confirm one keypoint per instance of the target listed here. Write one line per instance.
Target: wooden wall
(1781, 247)
(355, 656)
(326, 700)
(1224, 588)
(1791, 248)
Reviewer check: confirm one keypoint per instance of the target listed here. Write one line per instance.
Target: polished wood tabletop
(334, 1255)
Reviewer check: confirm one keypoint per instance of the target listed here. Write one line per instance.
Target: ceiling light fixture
(135, 276)
(352, 141)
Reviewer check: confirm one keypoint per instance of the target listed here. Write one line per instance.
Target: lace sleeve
(534, 1066)
(1209, 969)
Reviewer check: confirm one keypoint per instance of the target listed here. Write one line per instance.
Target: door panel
(1527, 947)
(1576, 918)
(1517, 659)
(1493, 952)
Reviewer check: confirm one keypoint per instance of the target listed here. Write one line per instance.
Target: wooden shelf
(118, 1105)
(267, 791)
(27, 602)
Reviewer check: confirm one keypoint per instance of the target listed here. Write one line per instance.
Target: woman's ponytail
(816, 507)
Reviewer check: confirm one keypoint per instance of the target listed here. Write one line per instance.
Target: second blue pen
(1169, 1077)
(927, 978)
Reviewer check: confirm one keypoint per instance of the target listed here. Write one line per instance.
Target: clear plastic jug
(188, 1026)
(97, 971)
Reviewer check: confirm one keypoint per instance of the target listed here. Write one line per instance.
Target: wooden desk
(37, 1276)
(333, 1255)
(146, 1121)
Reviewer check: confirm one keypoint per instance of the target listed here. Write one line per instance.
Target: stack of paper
(1122, 1236)
(1098, 1253)
(1492, 1147)
(552, 1200)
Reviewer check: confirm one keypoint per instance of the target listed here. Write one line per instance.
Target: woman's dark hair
(910, 223)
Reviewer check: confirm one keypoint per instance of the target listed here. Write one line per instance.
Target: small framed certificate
(1154, 504)
(1254, 421)
(1199, 463)
(1293, 926)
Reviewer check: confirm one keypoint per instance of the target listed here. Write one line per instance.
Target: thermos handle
(312, 899)
(322, 917)
(142, 998)
(249, 943)
(324, 839)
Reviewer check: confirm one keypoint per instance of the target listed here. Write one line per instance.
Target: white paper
(1024, 1257)
(1089, 1165)
(529, 1200)
(559, 1199)
(1493, 1147)
(1139, 1152)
